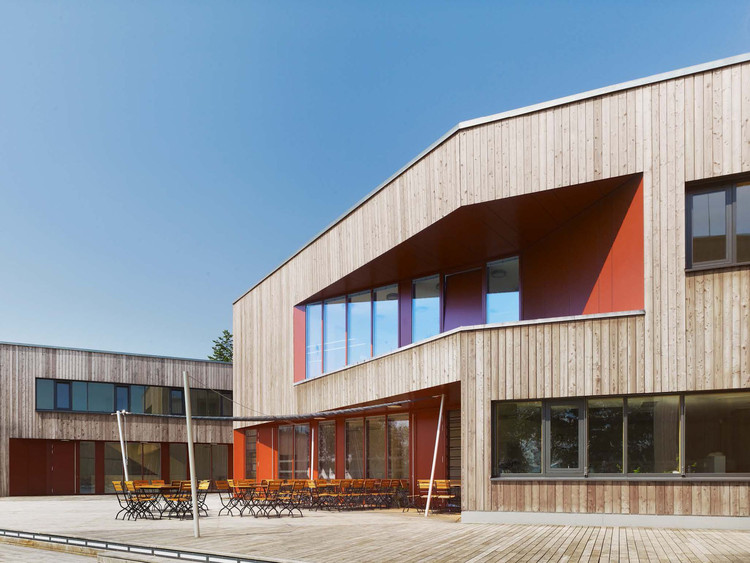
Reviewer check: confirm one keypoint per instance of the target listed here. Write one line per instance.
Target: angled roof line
(737, 59)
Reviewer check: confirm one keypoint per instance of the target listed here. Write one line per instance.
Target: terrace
(383, 535)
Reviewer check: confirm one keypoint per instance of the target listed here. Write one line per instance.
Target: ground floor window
(327, 450)
(178, 462)
(377, 447)
(294, 451)
(251, 454)
(87, 468)
(623, 435)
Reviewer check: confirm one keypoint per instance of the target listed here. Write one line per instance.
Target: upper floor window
(502, 291)
(718, 226)
(425, 308)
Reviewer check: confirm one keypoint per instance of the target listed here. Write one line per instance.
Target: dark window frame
(181, 392)
(58, 385)
(582, 468)
(127, 398)
(730, 198)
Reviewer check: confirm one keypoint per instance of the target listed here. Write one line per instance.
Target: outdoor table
(158, 492)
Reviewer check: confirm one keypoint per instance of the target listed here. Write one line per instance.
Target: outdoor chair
(140, 504)
(122, 500)
(228, 497)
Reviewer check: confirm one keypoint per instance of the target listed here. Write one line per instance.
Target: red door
(61, 475)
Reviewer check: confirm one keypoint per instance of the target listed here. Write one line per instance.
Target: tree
(223, 349)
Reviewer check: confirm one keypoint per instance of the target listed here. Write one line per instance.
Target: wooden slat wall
(701, 498)
(21, 365)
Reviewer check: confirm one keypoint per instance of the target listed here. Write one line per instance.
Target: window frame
(730, 201)
(127, 396)
(582, 468)
(59, 384)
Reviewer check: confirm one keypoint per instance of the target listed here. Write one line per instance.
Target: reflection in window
(45, 394)
(286, 452)
(121, 398)
(251, 454)
(87, 469)
(112, 465)
(742, 223)
(564, 432)
(155, 401)
(518, 437)
(359, 331)
(334, 334)
(151, 461)
(136, 398)
(716, 428)
(502, 291)
(101, 397)
(354, 444)
(425, 308)
(375, 447)
(301, 451)
(327, 450)
(178, 464)
(313, 340)
(202, 461)
(80, 395)
(398, 446)
(709, 226)
(385, 320)
(605, 422)
(653, 434)
(62, 395)
(219, 462)
(176, 402)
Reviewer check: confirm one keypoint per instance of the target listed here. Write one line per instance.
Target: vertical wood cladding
(21, 365)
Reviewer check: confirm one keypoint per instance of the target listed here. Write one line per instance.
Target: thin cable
(205, 386)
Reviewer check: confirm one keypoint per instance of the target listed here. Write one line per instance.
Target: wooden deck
(373, 536)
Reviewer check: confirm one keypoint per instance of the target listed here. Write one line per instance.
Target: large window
(377, 447)
(398, 446)
(294, 451)
(425, 308)
(251, 454)
(502, 291)
(718, 226)
(89, 396)
(327, 450)
(86, 468)
(385, 320)
(623, 435)
(354, 449)
(334, 334)
(313, 340)
(359, 322)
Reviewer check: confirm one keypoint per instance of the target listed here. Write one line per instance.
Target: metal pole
(312, 451)
(122, 446)
(191, 455)
(434, 456)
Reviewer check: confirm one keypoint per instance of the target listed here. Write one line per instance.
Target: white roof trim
(720, 63)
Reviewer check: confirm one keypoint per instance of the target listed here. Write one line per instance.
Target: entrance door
(61, 476)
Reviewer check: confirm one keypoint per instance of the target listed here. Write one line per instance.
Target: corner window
(718, 226)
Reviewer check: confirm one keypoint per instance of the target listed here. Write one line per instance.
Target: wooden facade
(693, 331)
(20, 365)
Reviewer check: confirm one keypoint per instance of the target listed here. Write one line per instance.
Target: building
(573, 278)
(58, 435)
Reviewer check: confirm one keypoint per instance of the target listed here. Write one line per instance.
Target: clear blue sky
(158, 158)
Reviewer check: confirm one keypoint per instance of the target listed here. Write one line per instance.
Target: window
(398, 446)
(80, 391)
(385, 320)
(101, 397)
(502, 291)
(45, 395)
(653, 434)
(718, 226)
(425, 308)
(359, 331)
(334, 334)
(313, 340)
(286, 452)
(121, 398)
(219, 461)
(136, 398)
(518, 437)
(375, 447)
(564, 432)
(176, 402)
(86, 468)
(354, 453)
(294, 451)
(716, 428)
(251, 454)
(62, 395)
(605, 435)
(178, 462)
(327, 450)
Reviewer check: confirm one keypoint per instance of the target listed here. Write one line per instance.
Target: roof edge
(25, 345)
(653, 79)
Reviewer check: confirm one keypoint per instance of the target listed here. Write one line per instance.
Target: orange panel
(266, 453)
(238, 459)
(298, 320)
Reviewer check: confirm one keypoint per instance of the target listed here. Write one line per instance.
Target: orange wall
(238, 460)
(591, 264)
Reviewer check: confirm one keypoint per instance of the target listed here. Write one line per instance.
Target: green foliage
(223, 349)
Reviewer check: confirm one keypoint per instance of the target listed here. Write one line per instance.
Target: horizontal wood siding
(21, 365)
(701, 498)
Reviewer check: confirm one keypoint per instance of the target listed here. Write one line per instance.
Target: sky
(159, 158)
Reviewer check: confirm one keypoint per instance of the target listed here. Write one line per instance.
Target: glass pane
(605, 420)
(226, 403)
(80, 395)
(121, 398)
(716, 433)
(385, 320)
(334, 334)
(286, 452)
(178, 463)
(219, 462)
(359, 314)
(314, 340)
(101, 397)
(213, 403)
(62, 395)
(202, 461)
(502, 291)
(155, 400)
(151, 461)
(251, 453)
(86, 468)
(135, 460)
(653, 434)
(564, 436)
(354, 445)
(112, 465)
(327, 450)
(136, 398)
(302, 451)
(198, 402)
(742, 222)
(425, 308)
(375, 447)
(709, 223)
(518, 431)
(45, 394)
(398, 446)
(176, 404)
